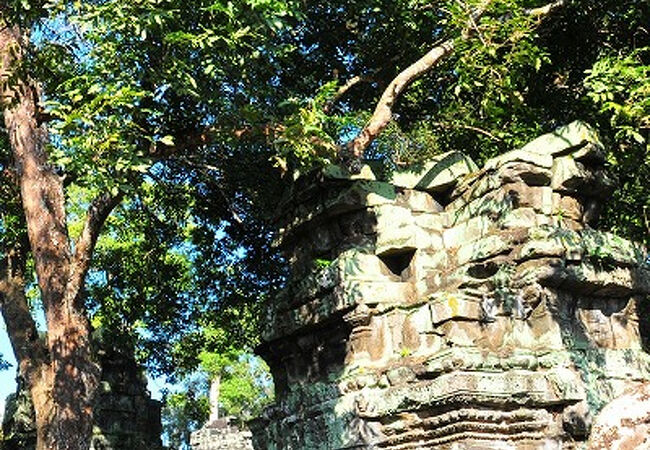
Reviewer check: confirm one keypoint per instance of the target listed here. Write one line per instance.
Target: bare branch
(187, 143)
(545, 10)
(384, 109)
(472, 25)
(205, 169)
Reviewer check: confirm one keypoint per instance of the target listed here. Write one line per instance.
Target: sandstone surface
(455, 307)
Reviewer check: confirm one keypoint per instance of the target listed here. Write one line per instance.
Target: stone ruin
(221, 434)
(126, 418)
(454, 307)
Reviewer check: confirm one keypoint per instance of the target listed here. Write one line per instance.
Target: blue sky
(7, 377)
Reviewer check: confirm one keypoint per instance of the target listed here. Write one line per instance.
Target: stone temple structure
(455, 307)
(126, 418)
(221, 434)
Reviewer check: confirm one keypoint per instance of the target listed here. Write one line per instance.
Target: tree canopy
(518, 70)
(168, 131)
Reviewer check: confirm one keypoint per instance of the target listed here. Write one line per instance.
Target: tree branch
(384, 110)
(382, 115)
(29, 350)
(344, 89)
(468, 127)
(188, 142)
(545, 10)
(99, 210)
(159, 150)
(473, 16)
(205, 169)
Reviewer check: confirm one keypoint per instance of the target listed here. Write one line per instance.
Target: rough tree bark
(30, 351)
(60, 373)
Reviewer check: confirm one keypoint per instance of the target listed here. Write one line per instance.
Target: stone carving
(454, 307)
(126, 418)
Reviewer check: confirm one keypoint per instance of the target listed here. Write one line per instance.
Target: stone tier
(454, 307)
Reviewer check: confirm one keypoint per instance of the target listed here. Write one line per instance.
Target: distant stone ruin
(454, 307)
(221, 434)
(126, 418)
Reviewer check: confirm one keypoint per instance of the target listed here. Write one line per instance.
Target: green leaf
(168, 141)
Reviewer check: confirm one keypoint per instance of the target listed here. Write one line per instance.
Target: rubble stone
(221, 435)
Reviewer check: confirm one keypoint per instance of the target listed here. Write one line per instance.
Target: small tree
(183, 413)
(234, 384)
(240, 384)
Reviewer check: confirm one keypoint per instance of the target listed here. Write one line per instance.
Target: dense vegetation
(163, 133)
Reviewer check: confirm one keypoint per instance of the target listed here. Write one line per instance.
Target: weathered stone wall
(220, 435)
(126, 418)
(454, 307)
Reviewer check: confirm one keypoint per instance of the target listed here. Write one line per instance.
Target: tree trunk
(30, 351)
(63, 384)
(215, 384)
(40, 389)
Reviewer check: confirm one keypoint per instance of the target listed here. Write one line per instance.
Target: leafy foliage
(245, 388)
(303, 139)
(620, 86)
(245, 382)
(516, 72)
(183, 413)
(127, 85)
